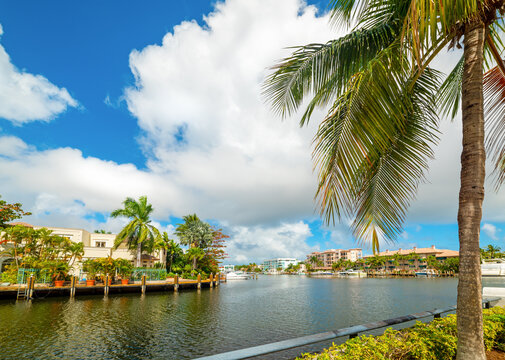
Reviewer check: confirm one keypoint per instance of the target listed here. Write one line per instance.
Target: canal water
(193, 323)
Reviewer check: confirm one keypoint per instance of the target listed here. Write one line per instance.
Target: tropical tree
(314, 260)
(493, 250)
(139, 234)
(9, 212)
(373, 146)
(195, 233)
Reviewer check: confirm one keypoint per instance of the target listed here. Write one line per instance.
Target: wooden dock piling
(199, 279)
(106, 287)
(143, 284)
(176, 283)
(73, 281)
(211, 278)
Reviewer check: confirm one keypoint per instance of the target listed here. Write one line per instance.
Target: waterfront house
(413, 259)
(96, 245)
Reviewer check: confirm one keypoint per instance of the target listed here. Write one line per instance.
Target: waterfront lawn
(436, 340)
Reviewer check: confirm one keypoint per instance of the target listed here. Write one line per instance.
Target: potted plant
(90, 267)
(124, 268)
(58, 271)
(107, 267)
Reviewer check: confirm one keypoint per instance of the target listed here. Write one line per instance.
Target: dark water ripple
(191, 324)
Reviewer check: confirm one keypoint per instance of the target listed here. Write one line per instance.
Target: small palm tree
(139, 234)
(171, 250)
(194, 233)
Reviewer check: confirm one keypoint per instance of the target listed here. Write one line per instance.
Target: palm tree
(194, 233)
(493, 250)
(373, 146)
(315, 260)
(139, 234)
(173, 253)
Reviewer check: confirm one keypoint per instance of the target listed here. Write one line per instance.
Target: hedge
(428, 341)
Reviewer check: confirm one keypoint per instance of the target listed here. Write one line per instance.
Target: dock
(80, 288)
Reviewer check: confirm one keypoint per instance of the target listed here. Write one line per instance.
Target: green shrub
(436, 340)
(10, 275)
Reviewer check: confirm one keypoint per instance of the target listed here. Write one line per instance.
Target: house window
(100, 244)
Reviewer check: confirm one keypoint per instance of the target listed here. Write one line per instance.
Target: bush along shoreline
(436, 340)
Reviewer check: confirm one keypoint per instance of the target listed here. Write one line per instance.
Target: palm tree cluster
(384, 100)
(204, 242)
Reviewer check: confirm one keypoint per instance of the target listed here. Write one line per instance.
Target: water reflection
(189, 324)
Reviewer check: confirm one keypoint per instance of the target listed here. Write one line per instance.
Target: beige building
(417, 263)
(96, 245)
(328, 257)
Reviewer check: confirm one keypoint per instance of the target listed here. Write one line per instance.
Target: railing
(41, 276)
(352, 332)
(150, 273)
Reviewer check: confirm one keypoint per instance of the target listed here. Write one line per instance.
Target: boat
(493, 267)
(353, 273)
(426, 273)
(356, 273)
(237, 275)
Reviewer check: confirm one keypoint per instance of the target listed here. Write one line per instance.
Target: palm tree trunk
(471, 195)
(139, 255)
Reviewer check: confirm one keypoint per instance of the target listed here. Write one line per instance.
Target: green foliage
(91, 267)
(436, 340)
(40, 249)
(9, 212)
(124, 268)
(10, 274)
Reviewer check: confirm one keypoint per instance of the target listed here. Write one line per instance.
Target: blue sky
(119, 82)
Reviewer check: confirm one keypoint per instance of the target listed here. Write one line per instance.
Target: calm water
(191, 324)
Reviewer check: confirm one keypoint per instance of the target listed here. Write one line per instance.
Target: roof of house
(425, 251)
(20, 223)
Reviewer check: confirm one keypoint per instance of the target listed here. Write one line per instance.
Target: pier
(77, 288)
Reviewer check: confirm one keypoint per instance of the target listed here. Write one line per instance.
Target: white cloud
(490, 230)
(258, 243)
(25, 97)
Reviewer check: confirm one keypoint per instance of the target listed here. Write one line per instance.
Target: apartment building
(279, 263)
(328, 257)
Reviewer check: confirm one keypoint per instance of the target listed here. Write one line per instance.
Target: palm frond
(323, 68)
(368, 137)
(449, 95)
(494, 105)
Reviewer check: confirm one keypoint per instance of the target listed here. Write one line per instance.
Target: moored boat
(237, 275)
(426, 273)
(493, 267)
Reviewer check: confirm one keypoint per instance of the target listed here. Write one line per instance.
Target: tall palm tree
(373, 146)
(194, 233)
(139, 234)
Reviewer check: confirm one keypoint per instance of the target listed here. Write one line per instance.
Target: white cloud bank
(25, 97)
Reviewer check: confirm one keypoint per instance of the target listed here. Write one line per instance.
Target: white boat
(426, 273)
(237, 275)
(356, 273)
(493, 267)
(353, 273)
